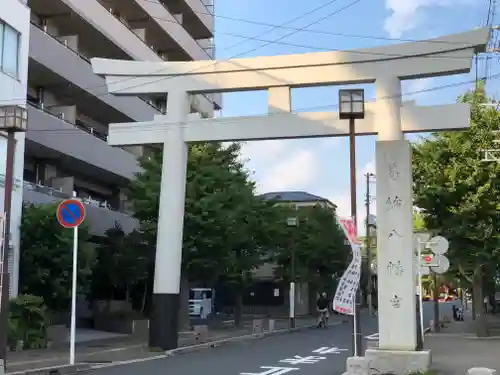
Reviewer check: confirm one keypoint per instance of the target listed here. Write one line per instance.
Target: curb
(252, 336)
(56, 370)
(215, 344)
(85, 367)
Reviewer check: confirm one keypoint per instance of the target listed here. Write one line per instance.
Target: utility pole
(369, 285)
(292, 222)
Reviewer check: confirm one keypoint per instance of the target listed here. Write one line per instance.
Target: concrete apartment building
(14, 46)
(69, 109)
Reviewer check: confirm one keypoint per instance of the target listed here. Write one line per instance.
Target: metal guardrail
(47, 190)
(79, 124)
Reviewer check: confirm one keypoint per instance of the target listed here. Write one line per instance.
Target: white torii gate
(387, 117)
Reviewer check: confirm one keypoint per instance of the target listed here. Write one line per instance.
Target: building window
(10, 39)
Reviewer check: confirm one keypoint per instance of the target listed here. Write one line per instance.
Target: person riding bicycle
(322, 306)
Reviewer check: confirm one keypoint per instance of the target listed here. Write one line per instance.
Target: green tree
(46, 258)
(317, 245)
(221, 214)
(121, 266)
(460, 195)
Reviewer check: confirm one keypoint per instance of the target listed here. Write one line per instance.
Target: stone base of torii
(387, 117)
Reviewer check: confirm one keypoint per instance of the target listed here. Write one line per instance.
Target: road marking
(327, 350)
(373, 336)
(271, 371)
(297, 360)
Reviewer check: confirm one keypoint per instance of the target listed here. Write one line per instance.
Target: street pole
(357, 338)
(420, 304)
(292, 222)
(292, 286)
(73, 297)
(368, 247)
(437, 325)
(7, 207)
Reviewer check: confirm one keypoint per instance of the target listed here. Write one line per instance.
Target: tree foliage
(460, 194)
(46, 258)
(318, 244)
(122, 264)
(224, 222)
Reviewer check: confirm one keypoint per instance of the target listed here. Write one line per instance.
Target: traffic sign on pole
(439, 245)
(70, 213)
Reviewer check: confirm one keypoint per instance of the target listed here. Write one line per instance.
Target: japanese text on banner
(345, 295)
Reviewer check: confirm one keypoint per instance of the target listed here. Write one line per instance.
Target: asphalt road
(311, 352)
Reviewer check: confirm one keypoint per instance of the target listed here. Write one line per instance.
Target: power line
(312, 31)
(312, 108)
(268, 42)
(352, 3)
(239, 44)
(275, 41)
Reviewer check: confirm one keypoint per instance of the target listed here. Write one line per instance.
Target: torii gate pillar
(163, 328)
(395, 254)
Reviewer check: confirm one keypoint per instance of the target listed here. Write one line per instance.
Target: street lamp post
(369, 179)
(292, 222)
(352, 107)
(13, 119)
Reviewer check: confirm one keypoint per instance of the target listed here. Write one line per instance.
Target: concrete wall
(12, 92)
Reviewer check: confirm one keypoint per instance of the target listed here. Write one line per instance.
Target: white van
(201, 302)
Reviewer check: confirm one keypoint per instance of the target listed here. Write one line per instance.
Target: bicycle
(323, 323)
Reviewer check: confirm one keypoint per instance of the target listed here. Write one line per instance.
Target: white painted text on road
(327, 350)
(271, 371)
(297, 360)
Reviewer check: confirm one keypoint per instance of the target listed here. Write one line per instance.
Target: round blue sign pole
(73, 297)
(71, 214)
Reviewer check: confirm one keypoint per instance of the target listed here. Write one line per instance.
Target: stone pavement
(113, 350)
(456, 349)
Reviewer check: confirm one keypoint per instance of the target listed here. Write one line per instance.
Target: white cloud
(405, 14)
(416, 89)
(263, 150)
(294, 173)
(368, 168)
(343, 202)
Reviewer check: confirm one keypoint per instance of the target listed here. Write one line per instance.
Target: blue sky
(320, 166)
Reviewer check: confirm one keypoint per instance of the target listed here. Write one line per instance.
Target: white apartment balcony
(137, 35)
(197, 16)
(61, 57)
(56, 133)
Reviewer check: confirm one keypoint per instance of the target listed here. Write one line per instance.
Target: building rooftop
(294, 196)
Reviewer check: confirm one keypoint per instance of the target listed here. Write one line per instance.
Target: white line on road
(271, 371)
(373, 336)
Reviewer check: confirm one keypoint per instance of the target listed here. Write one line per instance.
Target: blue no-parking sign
(70, 213)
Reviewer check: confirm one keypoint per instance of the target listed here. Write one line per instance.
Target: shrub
(28, 322)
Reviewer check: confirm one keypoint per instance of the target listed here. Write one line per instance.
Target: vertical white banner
(345, 296)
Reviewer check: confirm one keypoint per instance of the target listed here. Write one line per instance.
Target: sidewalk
(457, 349)
(112, 350)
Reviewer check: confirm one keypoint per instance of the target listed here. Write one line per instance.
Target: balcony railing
(79, 124)
(57, 193)
(83, 57)
(111, 10)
